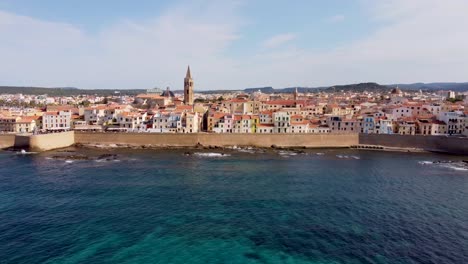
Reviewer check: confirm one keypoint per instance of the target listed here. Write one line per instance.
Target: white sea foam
(319, 154)
(287, 153)
(246, 150)
(455, 166)
(69, 161)
(425, 162)
(211, 154)
(355, 157)
(24, 152)
(340, 156)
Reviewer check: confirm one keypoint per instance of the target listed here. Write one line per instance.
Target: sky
(124, 44)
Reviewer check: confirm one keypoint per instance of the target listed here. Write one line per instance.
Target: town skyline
(231, 45)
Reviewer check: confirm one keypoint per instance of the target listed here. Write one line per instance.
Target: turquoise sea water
(147, 206)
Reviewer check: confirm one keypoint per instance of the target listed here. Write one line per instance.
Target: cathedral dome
(396, 91)
(168, 93)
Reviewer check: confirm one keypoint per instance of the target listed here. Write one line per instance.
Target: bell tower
(188, 88)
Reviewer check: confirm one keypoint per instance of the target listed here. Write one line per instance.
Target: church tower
(188, 88)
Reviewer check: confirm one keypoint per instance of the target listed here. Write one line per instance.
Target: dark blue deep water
(148, 206)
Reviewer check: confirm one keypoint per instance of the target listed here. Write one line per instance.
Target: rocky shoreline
(149, 146)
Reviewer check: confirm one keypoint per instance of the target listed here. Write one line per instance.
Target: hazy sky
(231, 44)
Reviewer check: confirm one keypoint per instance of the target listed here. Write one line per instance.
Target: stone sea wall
(219, 140)
(448, 144)
(44, 142)
(7, 140)
(455, 145)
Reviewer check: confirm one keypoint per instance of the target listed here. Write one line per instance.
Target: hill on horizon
(359, 87)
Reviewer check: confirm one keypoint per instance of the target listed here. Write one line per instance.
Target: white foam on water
(340, 156)
(23, 152)
(246, 151)
(425, 162)
(287, 153)
(355, 157)
(319, 154)
(454, 167)
(211, 154)
(69, 161)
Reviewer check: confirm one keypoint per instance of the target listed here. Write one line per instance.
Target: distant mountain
(360, 87)
(268, 89)
(65, 91)
(458, 87)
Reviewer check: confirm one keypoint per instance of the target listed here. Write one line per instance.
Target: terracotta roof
(280, 102)
(304, 122)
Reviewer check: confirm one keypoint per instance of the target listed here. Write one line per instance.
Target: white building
(454, 120)
(56, 121)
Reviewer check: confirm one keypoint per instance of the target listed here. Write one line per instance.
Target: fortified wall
(44, 142)
(7, 141)
(448, 144)
(219, 140)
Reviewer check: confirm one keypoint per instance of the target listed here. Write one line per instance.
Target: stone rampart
(7, 141)
(220, 140)
(448, 144)
(44, 142)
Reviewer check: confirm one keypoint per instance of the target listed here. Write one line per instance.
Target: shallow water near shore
(233, 206)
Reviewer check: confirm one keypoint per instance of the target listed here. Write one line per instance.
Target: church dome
(396, 91)
(168, 93)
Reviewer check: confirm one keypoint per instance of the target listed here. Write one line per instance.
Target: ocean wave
(340, 156)
(246, 151)
(211, 154)
(425, 162)
(24, 152)
(287, 153)
(458, 166)
(455, 166)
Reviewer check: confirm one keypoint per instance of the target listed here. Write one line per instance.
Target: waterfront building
(192, 122)
(225, 124)
(299, 124)
(369, 125)
(57, 121)
(167, 122)
(407, 127)
(316, 128)
(18, 124)
(386, 126)
(265, 128)
(131, 121)
(454, 121)
(282, 122)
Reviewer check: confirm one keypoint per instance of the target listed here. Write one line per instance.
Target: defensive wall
(219, 140)
(7, 141)
(44, 142)
(448, 144)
